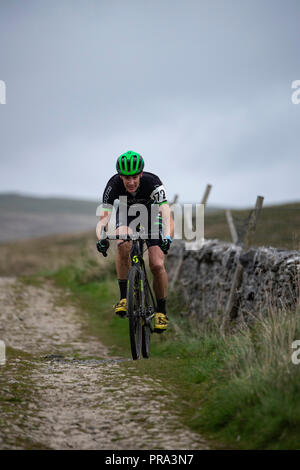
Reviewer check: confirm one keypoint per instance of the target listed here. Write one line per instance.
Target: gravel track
(61, 388)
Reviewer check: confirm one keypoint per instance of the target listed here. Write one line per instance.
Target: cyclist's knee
(156, 260)
(157, 266)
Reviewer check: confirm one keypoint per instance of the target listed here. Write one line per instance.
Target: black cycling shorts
(153, 230)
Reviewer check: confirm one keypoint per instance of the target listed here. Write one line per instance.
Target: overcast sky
(202, 89)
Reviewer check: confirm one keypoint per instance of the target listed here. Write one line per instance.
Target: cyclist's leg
(157, 267)
(122, 265)
(122, 268)
(123, 252)
(123, 249)
(160, 286)
(156, 262)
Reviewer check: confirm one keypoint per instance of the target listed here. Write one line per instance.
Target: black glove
(165, 244)
(102, 246)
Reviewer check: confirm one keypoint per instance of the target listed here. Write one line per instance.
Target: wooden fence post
(206, 194)
(232, 306)
(175, 199)
(180, 261)
(232, 228)
(252, 222)
(194, 245)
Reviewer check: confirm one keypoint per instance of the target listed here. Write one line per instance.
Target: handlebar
(129, 237)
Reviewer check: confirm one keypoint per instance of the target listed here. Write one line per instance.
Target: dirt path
(60, 389)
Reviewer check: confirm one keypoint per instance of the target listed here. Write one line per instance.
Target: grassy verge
(241, 390)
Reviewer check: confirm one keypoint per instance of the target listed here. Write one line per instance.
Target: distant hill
(21, 203)
(24, 217)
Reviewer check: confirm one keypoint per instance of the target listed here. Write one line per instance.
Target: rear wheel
(135, 306)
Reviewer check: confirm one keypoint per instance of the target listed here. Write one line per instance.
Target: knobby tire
(146, 330)
(135, 305)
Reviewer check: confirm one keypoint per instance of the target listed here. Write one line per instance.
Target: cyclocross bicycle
(140, 300)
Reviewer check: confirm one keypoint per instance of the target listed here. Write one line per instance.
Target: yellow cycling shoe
(121, 308)
(160, 322)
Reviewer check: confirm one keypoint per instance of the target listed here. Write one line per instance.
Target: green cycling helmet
(130, 163)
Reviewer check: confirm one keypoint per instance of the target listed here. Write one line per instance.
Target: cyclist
(139, 187)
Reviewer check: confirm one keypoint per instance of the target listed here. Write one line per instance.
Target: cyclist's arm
(159, 195)
(104, 219)
(109, 195)
(167, 218)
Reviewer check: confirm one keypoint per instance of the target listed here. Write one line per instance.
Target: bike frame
(136, 257)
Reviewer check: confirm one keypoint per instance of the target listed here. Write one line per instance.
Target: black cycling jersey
(150, 191)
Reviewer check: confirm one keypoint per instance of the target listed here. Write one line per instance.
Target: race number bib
(159, 194)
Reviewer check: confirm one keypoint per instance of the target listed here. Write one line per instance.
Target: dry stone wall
(271, 278)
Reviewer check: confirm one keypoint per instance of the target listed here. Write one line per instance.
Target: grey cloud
(199, 87)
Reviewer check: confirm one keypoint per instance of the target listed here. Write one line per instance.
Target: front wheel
(135, 307)
(146, 332)
(148, 320)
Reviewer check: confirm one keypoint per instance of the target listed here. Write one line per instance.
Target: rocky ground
(62, 389)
